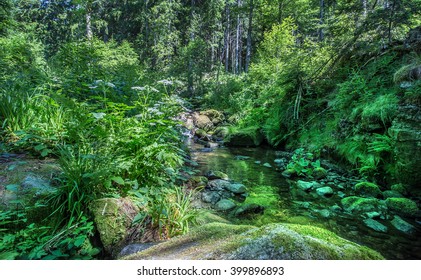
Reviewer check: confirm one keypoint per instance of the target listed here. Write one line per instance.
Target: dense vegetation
(97, 85)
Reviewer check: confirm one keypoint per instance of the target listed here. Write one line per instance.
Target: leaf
(45, 152)
(118, 180)
(8, 255)
(39, 147)
(79, 240)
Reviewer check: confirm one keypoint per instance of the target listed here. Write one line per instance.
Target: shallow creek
(250, 166)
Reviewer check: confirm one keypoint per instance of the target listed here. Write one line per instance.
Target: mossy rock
(215, 116)
(319, 173)
(360, 205)
(113, 218)
(289, 173)
(221, 132)
(218, 241)
(201, 134)
(203, 122)
(198, 181)
(367, 189)
(403, 206)
(400, 188)
(247, 137)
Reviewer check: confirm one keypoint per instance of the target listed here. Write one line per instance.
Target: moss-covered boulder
(198, 181)
(319, 173)
(402, 206)
(367, 189)
(113, 218)
(247, 137)
(202, 122)
(215, 116)
(271, 242)
(220, 133)
(360, 205)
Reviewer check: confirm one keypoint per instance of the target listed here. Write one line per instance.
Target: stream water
(250, 166)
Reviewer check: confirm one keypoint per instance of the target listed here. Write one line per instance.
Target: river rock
(307, 186)
(325, 191)
(402, 225)
(387, 194)
(319, 173)
(244, 242)
(211, 196)
(247, 209)
(402, 206)
(135, 248)
(225, 205)
(113, 219)
(289, 173)
(215, 116)
(202, 122)
(360, 205)
(375, 225)
(218, 185)
(214, 175)
(236, 188)
(367, 189)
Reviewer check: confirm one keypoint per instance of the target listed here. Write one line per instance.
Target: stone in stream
(402, 225)
(211, 196)
(360, 205)
(236, 188)
(307, 186)
(225, 205)
(367, 189)
(266, 164)
(387, 194)
(375, 225)
(218, 185)
(402, 206)
(325, 191)
(213, 175)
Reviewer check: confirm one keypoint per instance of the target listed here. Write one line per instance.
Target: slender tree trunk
(321, 22)
(190, 67)
(237, 41)
(227, 35)
(89, 33)
(249, 33)
(391, 18)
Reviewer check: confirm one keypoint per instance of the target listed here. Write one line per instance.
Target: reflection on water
(246, 165)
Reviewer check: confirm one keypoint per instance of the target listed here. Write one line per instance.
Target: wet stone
(375, 225)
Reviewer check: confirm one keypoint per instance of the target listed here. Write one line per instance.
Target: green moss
(274, 241)
(402, 206)
(113, 218)
(199, 181)
(358, 205)
(368, 189)
(319, 173)
(400, 188)
(245, 137)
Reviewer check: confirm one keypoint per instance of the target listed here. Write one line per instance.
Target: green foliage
(19, 240)
(303, 163)
(21, 58)
(169, 211)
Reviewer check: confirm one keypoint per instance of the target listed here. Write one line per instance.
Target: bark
(227, 35)
(321, 22)
(249, 33)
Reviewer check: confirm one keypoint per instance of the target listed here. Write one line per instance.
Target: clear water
(251, 172)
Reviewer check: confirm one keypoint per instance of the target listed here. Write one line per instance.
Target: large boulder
(361, 205)
(403, 206)
(113, 218)
(218, 241)
(202, 122)
(247, 137)
(215, 116)
(367, 189)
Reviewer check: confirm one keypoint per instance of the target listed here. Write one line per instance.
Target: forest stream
(257, 169)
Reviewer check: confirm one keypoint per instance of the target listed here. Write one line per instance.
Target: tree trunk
(321, 22)
(227, 35)
(249, 33)
(89, 33)
(190, 67)
(237, 41)
(365, 8)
